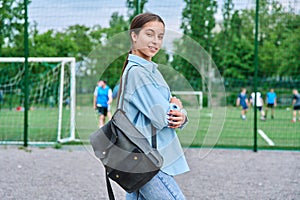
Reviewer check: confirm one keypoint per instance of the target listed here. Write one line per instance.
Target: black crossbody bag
(126, 154)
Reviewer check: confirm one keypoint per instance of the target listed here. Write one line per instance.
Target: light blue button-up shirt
(147, 100)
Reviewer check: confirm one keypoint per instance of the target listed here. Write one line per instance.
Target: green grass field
(236, 133)
(42, 125)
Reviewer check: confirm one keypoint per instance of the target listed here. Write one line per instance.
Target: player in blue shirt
(102, 100)
(242, 101)
(271, 100)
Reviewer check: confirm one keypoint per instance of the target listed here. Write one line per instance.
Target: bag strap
(153, 135)
(120, 95)
(109, 188)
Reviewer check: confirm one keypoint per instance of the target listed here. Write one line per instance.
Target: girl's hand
(176, 119)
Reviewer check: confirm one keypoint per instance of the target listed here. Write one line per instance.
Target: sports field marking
(265, 137)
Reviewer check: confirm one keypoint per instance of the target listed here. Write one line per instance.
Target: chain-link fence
(225, 29)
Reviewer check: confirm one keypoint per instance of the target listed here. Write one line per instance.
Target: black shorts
(297, 107)
(259, 108)
(270, 105)
(102, 111)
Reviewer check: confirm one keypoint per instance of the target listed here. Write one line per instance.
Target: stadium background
(225, 29)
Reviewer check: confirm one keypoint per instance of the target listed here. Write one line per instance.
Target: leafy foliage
(197, 23)
(230, 42)
(11, 24)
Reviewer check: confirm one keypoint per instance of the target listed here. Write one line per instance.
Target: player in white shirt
(259, 103)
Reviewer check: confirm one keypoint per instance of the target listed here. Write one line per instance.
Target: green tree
(223, 37)
(96, 34)
(227, 11)
(288, 53)
(53, 44)
(110, 42)
(80, 35)
(278, 49)
(197, 22)
(117, 25)
(11, 25)
(269, 16)
(43, 45)
(234, 51)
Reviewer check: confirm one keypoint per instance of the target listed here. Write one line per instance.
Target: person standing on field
(242, 101)
(296, 105)
(259, 103)
(271, 102)
(102, 100)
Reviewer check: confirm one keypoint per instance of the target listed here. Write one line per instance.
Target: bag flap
(122, 122)
(103, 139)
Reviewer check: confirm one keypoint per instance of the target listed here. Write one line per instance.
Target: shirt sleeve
(110, 92)
(149, 97)
(152, 104)
(96, 91)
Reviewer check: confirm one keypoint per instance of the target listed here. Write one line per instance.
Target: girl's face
(148, 41)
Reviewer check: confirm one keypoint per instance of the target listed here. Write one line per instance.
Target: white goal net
(51, 116)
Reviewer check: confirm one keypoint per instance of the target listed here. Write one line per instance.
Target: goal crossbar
(37, 59)
(199, 93)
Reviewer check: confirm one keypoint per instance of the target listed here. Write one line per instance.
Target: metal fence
(253, 44)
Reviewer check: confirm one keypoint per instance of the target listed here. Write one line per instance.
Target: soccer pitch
(272, 133)
(236, 133)
(42, 125)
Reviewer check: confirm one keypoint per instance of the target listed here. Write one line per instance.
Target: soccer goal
(188, 98)
(51, 116)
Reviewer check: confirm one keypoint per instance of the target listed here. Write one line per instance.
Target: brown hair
(137, 23)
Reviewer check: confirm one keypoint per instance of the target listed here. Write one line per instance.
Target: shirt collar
(149, 65)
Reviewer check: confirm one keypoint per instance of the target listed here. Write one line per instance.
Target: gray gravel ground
(73, 173)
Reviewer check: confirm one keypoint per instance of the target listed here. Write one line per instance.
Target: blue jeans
(161, 186)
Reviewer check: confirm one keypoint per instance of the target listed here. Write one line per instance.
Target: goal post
(196, 93)
(65, 64)
(72, 101)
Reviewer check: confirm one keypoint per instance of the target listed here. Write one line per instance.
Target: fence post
(255, 74)
(26, 54)
(138, 7)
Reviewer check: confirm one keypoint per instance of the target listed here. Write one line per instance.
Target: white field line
(265, 137)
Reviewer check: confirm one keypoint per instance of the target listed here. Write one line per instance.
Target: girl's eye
(149, 34)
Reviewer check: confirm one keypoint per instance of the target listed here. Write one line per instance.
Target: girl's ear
(133, 36)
